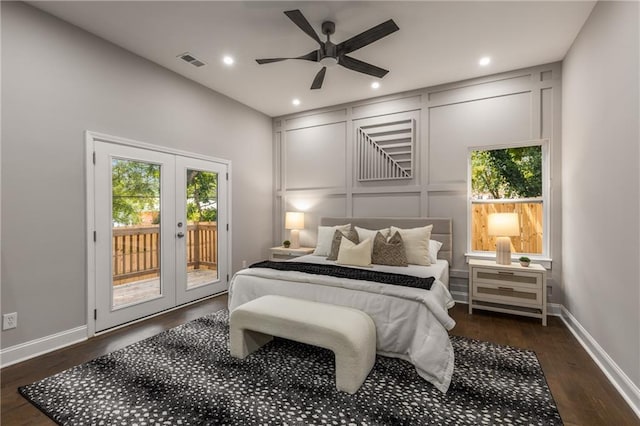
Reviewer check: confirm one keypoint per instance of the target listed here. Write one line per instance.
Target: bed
(411, 323)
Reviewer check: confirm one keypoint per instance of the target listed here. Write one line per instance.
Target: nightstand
(281, 253)
(512, 289)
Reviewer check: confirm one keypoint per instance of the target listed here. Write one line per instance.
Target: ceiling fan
(330, 54)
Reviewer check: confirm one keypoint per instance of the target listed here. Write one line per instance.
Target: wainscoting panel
(315, 157)
(320, 205)
(386, 205)
(482, 88)
(453, 205)
(456, 127)
(314, 120)
(383, 108)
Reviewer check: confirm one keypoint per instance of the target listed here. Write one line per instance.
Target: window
(509, 179)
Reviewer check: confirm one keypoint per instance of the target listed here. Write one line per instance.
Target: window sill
(544, 261)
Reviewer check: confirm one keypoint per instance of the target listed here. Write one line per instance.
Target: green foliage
(202, 196)
(136, 187)
(507, 173)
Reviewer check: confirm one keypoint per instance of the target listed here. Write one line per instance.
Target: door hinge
(227, 226)
(94, 157)
(227, 277)
(95, 314)
(227, 175)
(95, 236)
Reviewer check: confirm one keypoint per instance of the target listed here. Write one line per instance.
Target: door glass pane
(135, 222)
(202, 227)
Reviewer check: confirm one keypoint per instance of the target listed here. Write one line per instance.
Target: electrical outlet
(9, 321)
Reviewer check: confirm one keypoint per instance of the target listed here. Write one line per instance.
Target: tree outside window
(508, 180)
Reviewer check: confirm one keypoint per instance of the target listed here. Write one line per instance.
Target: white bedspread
(411, 323)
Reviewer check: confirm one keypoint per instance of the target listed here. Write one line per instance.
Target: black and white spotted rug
(185, 376)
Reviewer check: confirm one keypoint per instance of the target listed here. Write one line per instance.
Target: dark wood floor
(582, 392)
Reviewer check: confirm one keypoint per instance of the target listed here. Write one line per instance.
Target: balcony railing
(136, 249)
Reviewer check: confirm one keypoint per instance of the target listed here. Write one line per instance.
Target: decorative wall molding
(24, 351)
(385, 150)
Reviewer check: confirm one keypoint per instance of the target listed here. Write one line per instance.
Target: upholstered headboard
(442, 228)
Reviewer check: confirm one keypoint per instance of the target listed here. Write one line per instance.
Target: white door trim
(90, 139)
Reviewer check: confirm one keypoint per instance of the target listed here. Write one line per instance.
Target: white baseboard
(554, 309)
(24, 351)
(460, 297)
(629, 391)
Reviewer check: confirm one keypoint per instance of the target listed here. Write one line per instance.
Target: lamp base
(295, 238)
(503, 251)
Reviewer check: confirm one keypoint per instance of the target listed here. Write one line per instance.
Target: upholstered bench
(348, 332)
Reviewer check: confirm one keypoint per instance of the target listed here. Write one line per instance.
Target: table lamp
(503, 226)
(294, 221)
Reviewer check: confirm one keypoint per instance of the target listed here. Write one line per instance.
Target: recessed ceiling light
(375, 85)
(228, 60)
(296, 102)
(484, 61)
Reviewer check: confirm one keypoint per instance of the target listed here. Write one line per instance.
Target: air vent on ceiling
(188, 57)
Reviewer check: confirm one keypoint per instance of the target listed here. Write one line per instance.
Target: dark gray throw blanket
(351, 273)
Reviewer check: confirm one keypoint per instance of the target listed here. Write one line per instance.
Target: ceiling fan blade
(311, 56)
(298, 18)
(367, 37)
(317, 82)
(363, 67)
(270, 60)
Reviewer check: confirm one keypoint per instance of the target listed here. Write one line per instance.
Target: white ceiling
(438, 42)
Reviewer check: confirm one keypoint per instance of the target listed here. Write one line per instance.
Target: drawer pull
(505, 273)
(506, 288)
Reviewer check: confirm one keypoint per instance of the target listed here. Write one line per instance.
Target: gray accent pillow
(390, 252)
(351, 235)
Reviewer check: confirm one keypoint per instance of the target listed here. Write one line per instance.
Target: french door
(160, 231)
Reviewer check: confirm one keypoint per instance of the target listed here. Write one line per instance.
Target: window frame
(545, 256)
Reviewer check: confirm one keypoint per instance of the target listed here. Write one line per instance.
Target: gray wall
(601, 233)
(315, 166)
(57, 82)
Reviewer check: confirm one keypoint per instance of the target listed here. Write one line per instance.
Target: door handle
(180, 234)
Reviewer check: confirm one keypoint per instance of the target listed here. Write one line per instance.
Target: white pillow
(356, 255)
(434, 248)
(364, 233)
(416, 244)
(325, 237)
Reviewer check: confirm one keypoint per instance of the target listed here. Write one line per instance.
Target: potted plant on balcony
(286, 243)
(524, 261)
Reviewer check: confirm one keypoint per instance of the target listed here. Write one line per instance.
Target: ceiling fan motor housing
(328, 28)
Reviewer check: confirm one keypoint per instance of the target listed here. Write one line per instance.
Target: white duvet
(411, 323)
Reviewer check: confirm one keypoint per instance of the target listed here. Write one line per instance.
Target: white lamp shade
(503, 225)
(294, 220)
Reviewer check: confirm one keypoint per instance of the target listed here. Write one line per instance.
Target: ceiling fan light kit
(330, 54)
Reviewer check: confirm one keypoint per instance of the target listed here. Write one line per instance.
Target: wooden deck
(138, 291)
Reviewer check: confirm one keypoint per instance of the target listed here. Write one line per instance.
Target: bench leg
(351, 372)
(242, 342)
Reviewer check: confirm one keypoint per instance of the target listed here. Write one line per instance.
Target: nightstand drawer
(531, 280)
(507, 293)
(278, 254)
(284, 255)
